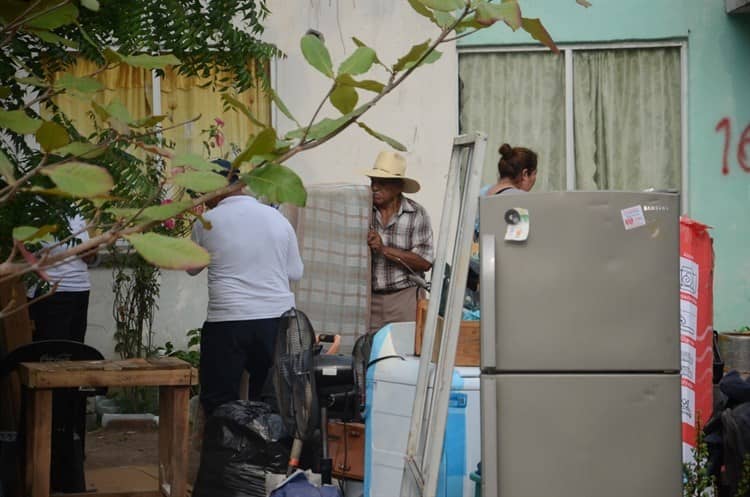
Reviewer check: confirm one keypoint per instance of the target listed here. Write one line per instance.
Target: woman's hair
(513, 160)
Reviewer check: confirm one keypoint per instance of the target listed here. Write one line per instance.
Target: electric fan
(361, 359)
(294, 380)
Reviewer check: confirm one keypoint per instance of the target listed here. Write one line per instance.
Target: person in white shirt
(254, 255)
(64, 314)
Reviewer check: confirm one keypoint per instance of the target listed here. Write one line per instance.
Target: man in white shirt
(64, 314)
(254, 254)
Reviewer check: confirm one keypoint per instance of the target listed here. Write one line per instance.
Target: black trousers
(227, 349)
(61, 316)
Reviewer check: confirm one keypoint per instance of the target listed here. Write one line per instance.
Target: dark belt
(392, 290)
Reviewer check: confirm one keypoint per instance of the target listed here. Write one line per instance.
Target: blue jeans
(227, 349)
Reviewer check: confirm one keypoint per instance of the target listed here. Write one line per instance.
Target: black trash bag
(242, 441)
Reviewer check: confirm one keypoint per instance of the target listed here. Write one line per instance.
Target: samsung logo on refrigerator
(655, 208)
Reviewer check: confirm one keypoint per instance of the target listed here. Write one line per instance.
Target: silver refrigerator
(580, 351)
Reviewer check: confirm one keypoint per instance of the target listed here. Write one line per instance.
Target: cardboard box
(468, 349)
(346, 447)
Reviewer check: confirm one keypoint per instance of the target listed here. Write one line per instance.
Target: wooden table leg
(165, 439)
(173, 439)
(38, 442)
(180, 439)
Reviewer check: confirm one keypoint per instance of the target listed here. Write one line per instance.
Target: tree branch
(317, 111)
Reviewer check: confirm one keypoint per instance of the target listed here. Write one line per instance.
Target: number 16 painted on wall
(725, 125)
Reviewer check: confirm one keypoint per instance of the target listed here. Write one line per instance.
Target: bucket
(735, 350)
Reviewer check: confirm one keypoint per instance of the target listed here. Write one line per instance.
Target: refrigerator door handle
(487, 299)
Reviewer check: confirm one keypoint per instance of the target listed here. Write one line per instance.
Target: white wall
(182, 306)
(421, 114)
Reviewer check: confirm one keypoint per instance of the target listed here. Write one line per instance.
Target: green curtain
(627, 119)
(518, 98)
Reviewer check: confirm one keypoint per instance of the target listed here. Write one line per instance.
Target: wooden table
(173, 377)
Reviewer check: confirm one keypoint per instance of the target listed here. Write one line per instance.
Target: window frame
(569, 49)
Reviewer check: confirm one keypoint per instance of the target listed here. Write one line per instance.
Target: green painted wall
(719, 89)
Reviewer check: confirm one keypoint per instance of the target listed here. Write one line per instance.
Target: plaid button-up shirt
(409, 229)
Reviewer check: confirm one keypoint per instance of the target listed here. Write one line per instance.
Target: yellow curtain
(183, 99)
(131, 85)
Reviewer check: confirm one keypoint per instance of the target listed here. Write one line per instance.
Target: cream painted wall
(421, 114)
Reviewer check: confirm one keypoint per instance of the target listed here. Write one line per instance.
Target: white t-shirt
(254, 254)
(72, 273)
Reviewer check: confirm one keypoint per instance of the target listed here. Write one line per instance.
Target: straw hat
(392, 165)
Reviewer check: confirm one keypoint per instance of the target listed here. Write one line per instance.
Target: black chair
(68, 412)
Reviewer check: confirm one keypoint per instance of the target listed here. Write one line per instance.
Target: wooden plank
(66, 374)
(17, 326)
(180, 425)
(38, 442)
(15, 330)
(166, 403)
(468, 348)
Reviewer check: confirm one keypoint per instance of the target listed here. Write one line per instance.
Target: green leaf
(264, 143)
(344, 98)
(31, 233)
(117, 110)
(82, 85)
(361, 44)
(82, 150)
(282, 106)
(277, 183)
(90, 4)
(148, 122)
(122, 212)
(51, 135)
(55, 18)
(78, 179)
(33, 81)
(236, 104)
(469, 23)
(413, 55)
(536, 29)
(200, 181)
(165, 211)
(444, 5)
(390, 141)
(367, 84)
(196, 162)
(431, 57)
(316, 54)
(421, 9)
(5, 91)
(359, 62)
(320, 129)
(52, 38)
(508, 12)
(151, 61)
(444, 19)
(18, 121)
(111, 55)
(7, 171)
(169, 253)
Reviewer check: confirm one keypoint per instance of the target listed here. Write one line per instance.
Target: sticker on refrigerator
(518, 225)
(633, 217)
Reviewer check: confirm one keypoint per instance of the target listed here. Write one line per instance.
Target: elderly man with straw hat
(400, 238)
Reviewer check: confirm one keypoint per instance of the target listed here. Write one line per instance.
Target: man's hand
(374, 241)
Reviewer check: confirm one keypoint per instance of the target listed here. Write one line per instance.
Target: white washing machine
(391, 386)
